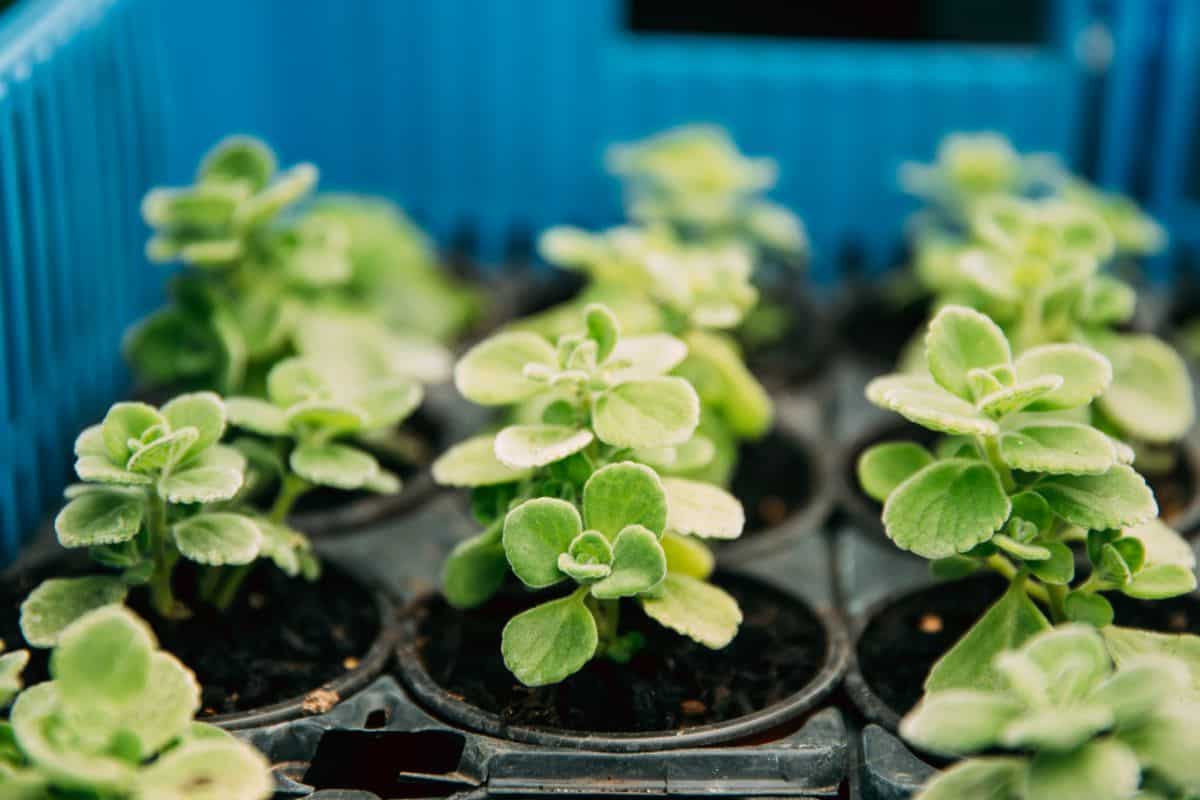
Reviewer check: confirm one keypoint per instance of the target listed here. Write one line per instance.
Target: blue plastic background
(481, 115)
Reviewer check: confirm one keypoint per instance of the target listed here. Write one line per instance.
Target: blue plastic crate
(81, 128)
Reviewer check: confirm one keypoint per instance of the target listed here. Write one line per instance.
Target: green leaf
(1115, 499)
(1101, 770)
(589, 557)
(959, 721)
(960, 339)
(162, 454)
(208, 770)
(296, 380)
(530, 446)
(1011, 399)
(125, 421)
(1009, 623)
(929, 405)
(652, 412)
(164, 710)
(492, 372)
(638, 565)
(100, 517)
(744, 403)
(638, 357)
(698, 610)
(336, 465)
(536, 533)
(1137, 691)
(1151, 394)
(549, 642)
(1032, 443)
(979, 779)
(1021, 550)
(288, 187)
(99, 469)
(1059, 568)
(948, 507)
(1085, 373)
(203, 411)
(256, 415)
(282, 545)
(687, 556)
(216, 474)
(1167, 744)
(1058, 729)
(473, 463)
(103, 657)
(325, 417)
(474, 570)
(11, 666)
(217, 538)
(602, 329)
(885, 466)
(58, 602)
(624, 494)
(1129, 645)
(701, 509)
(1033, 508)
(388, 403)
(238, 158)
(1161, 581)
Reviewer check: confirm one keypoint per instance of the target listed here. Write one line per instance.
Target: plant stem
(1000, 564)
(1058, 603)
(991, 449)
(162, 596)
(292, 489)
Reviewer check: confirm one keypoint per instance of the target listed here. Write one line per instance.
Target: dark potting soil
(902, 642)
(775, 478)
(672, 683)
(878, 326)
(1174, 490)
(283, 637)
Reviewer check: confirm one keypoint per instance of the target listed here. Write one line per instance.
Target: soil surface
(1174, 490)
(877, 327)
(774, 479)
(901, 643)
(672, 683)
(283, 637)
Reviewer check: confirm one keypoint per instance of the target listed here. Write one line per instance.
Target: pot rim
(450, 707)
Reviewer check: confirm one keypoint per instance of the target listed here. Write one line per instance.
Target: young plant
(694, 180)
(1016, 480)
(157, 486)
(565, 500)
(116, 723)
(1079, 728)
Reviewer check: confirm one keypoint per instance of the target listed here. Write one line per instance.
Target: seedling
(694, 180)
(1016, 480)
(116, 722)
(565, 500)
(157, 487)
(1078, 728)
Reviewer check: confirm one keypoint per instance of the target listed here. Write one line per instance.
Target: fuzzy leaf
(1059, 568)
(256, 415)
(959, 340)
(885, 466)
(929, 405)
(589, 557)
(948, 507)
(687, 556)
(979, 778)
(11, 666)
(336, 465)
(638, 357)
(58, 602)
(389, 403)
(474, 463)
(208, 770)
(530, 446)
(216, 474)
(602, 329)
(743, 402)
(1085, 373)
(1169, 742)
(164, 453)
(296, 380)
(653, 412)
(492, 372)
(536, 533)
(624, 494)
(203, 411)
(327, 417)
(698, 610)
(970, 663)
(1115, 499)
(98, 469)
(474, 570)
(701, 509)
(104, 657)
(1011, 399)
(1129, 645)
(217, 538)
(549, 642)
(1089, 609)
(125, 421)
(959, 721)
(100, 517)
(1151, 394)
(638, 565)
(1057, 728)
(1036, 444)
(1101, 770)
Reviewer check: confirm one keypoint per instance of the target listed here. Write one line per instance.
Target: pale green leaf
(493, 371)
(648, 356)
(1151, 393)
(208, 770)
(589, 557)
(473, 463)
(215, 474)
(387, 403)
(701, 509)
(1057, 728)
(100, 517)
(296, 380)
(638, 565)
(743, 402)
(474, 570)
(99, 469)
(1010, 399)
(58, 602)
(239, 158)
(959, 721)
(602, 329)
(1118, 498)
(549, 642)
(651, 412)
(104, 657)
(1168, 744)
(1102, 770)
(536, 533)
(885, 466)
(946, 508)
(1139, 689)
(978, 779)
(327, 418)
(1128, 645)
(924, 402)
(162, 454)
(336, 465)
(203, 411)
(1033, 443)
(256, 415)
(698, 610)
(217, 538)
(530, 446)
(164, 710)
(125, 421)
(960, 339)
(687, 556)
(1085, 373)
(623, 494)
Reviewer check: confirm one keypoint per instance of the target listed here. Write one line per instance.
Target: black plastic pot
(864, 512)
(454, 709)
(806, 350)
